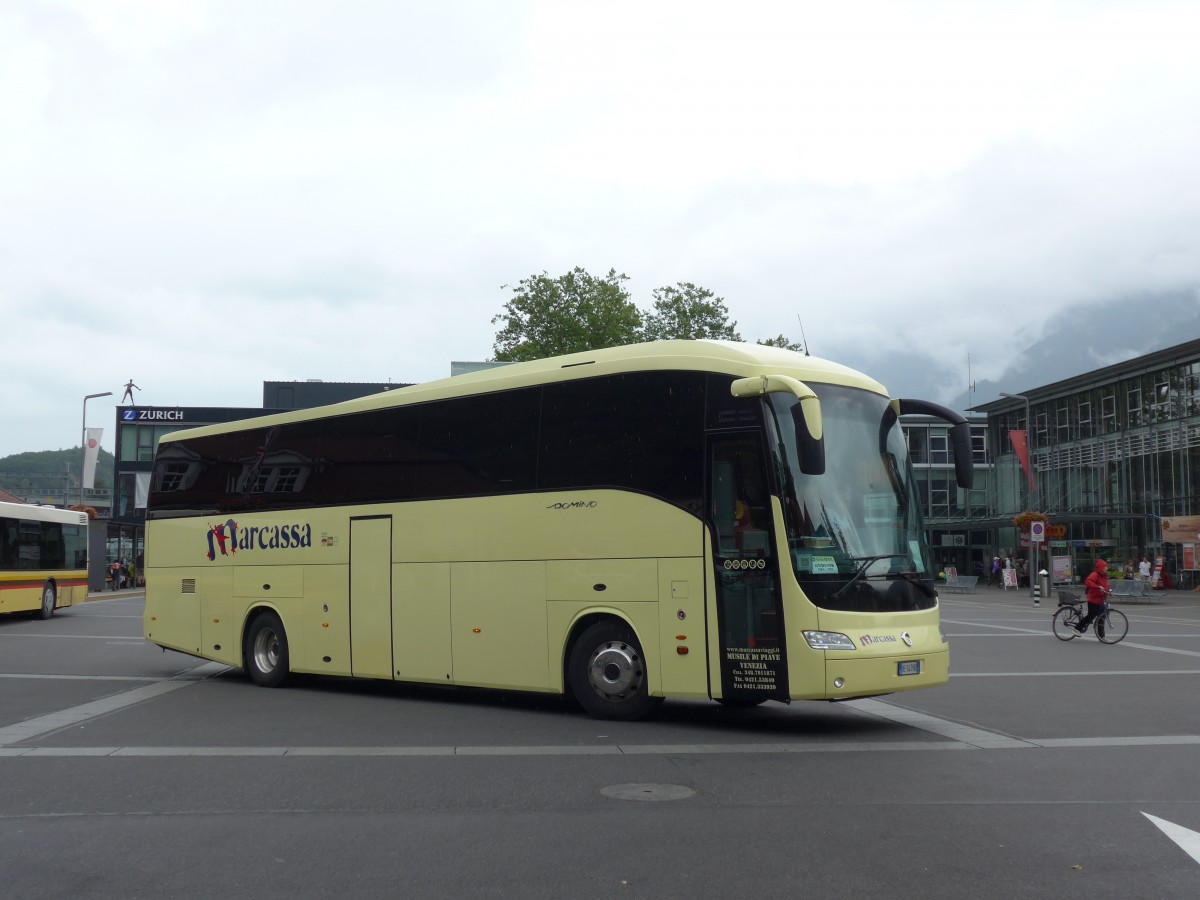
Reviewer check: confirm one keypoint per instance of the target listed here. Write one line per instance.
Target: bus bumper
(847, 677)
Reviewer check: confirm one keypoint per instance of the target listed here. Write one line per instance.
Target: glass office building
(1114, 454)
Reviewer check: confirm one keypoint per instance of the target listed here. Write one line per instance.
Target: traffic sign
(1037, 532)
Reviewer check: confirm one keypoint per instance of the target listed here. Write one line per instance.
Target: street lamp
(1029, 452)
(83, 442)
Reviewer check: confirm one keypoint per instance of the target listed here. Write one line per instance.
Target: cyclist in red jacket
(1097, 593)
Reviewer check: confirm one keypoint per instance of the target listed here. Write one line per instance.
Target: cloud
(209, 195)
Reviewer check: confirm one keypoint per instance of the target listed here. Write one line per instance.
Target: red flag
(1020, 444)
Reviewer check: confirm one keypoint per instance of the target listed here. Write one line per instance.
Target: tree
(780, 341)
(569, 314)
(688, 311)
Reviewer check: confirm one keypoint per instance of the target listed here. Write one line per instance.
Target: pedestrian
(1144, 569)
(1097, 595)
(995, 579)
(1023, 573)
(1129, 570)
(116, 575)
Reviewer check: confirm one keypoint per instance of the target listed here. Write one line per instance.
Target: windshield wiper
(866, 563)
(915, 578)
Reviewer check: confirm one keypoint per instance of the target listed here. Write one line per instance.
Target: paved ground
(1044, 768)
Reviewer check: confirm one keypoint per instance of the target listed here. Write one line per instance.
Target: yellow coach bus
(43, 558)
(675, 519)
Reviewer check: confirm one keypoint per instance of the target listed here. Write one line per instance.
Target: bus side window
(740, 503)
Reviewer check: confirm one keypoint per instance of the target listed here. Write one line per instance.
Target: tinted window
(476, 446)
(727, 411)
(365, 458)
(643, 431)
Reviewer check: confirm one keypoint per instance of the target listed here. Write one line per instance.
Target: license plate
(909, 667)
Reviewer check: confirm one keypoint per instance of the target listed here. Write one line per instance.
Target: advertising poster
(1061, 569)
(1181, 529)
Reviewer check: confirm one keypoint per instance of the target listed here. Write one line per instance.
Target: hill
(50, 471)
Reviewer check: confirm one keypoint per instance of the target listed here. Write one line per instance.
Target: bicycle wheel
(1064, 623)
(1112, 626)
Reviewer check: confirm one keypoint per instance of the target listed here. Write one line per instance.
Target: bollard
(1043, 586)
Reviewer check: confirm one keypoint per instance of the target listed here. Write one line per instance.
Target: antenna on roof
(803, 337)
(970, 384)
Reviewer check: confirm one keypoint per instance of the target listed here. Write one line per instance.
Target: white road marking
(1188, 840)
(64, 718)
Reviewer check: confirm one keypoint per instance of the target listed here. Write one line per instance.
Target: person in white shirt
(1144, 569)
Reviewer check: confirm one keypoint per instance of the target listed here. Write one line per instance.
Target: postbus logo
(227, 538)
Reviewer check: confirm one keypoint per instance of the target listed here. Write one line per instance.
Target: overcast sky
(201, 196)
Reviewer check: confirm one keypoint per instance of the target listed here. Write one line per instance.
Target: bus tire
(607, 673)
(265, 651)
(49, 601)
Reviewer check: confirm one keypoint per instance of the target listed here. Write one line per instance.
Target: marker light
(828, 640)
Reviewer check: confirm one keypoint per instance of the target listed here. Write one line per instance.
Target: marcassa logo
(744, 564)
(227, 538)
(877, 639)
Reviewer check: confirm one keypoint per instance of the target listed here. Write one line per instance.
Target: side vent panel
(187, 586)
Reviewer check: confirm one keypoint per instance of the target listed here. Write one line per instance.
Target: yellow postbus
(43, 558)
(675, 519)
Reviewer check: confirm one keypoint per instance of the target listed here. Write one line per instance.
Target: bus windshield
(855, 533)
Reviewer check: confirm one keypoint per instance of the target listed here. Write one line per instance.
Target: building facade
(1113, 458)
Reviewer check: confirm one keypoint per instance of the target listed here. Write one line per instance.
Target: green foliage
(782, 342)
(578, 311)
(687, 311)
(47, 471)
(569, 314)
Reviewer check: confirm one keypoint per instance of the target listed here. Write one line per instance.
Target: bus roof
(727, 357)
(35, 513)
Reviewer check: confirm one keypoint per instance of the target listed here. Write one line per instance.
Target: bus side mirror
(806, 415)
(960, 434)
(810, 446)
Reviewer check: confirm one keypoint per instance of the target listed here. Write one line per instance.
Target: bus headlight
(828, 640)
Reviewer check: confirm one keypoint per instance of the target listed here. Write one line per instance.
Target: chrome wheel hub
(615, 670)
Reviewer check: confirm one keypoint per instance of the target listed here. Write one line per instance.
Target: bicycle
(1110, 626)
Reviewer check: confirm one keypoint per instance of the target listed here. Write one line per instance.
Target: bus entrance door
(371, 597)
(753, 664)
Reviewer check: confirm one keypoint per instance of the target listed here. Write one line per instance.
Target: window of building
(1133, 406)
(939, 448)
(979, 455)
(1162, 399)
(1041, 425)
(1108, 413)
(918, 443)
(1085, 418)
(1063, 423)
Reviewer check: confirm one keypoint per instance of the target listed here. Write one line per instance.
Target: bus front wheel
(49, 601)
(607, 673)
(266, 650)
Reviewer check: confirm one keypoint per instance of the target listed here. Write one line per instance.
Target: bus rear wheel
(607, 673)
(266, 650)
(49, 601)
